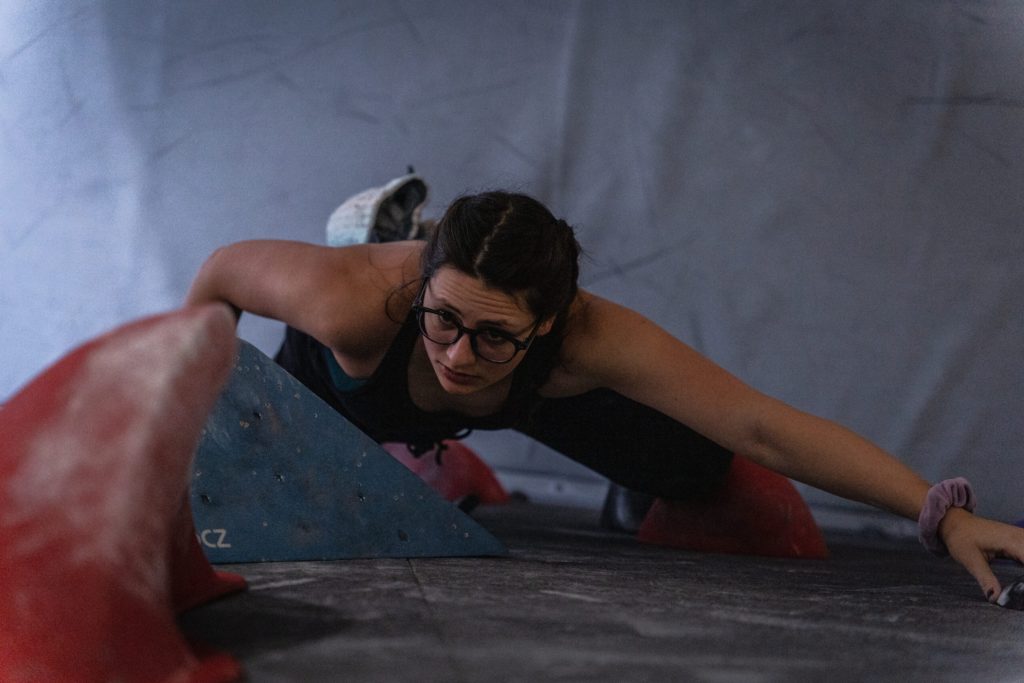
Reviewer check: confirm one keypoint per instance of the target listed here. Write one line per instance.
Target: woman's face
(475, 305)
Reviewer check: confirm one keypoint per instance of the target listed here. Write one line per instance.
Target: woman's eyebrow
(502, 324)
(441, 302)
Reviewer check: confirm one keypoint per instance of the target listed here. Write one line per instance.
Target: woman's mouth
(456, 377)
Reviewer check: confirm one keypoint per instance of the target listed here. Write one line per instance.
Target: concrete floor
(573, 603)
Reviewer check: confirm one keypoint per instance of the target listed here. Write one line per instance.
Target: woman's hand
(975, 541)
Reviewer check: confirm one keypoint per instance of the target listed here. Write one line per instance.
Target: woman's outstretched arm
(618, 348)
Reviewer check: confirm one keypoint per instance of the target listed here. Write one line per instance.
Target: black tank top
(382, 406)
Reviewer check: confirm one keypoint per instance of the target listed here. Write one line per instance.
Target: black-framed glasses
(489, 343)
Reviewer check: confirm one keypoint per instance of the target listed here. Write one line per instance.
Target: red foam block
(757, 512)
(461, 474)
(97, 546)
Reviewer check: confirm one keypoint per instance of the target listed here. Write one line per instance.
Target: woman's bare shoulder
(588, 340)
(356, 298)
(396, 262)
(594, 324)
(372, 298)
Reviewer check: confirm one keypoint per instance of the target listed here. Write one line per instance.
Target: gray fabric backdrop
(822, 196)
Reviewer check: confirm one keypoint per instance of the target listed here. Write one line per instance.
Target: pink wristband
(951, 493)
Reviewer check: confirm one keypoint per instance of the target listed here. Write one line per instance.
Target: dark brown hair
(513, 243)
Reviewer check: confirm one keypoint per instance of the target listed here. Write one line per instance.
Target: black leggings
(634, 446)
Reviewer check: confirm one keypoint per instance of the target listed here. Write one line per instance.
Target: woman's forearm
(828, 456)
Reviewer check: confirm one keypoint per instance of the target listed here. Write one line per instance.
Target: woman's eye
(446, 318)
(493, 336)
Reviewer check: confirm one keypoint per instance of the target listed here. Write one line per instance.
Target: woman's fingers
(976, 562)
(974, 543)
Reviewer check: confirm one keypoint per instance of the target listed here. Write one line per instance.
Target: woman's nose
(461, 352)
